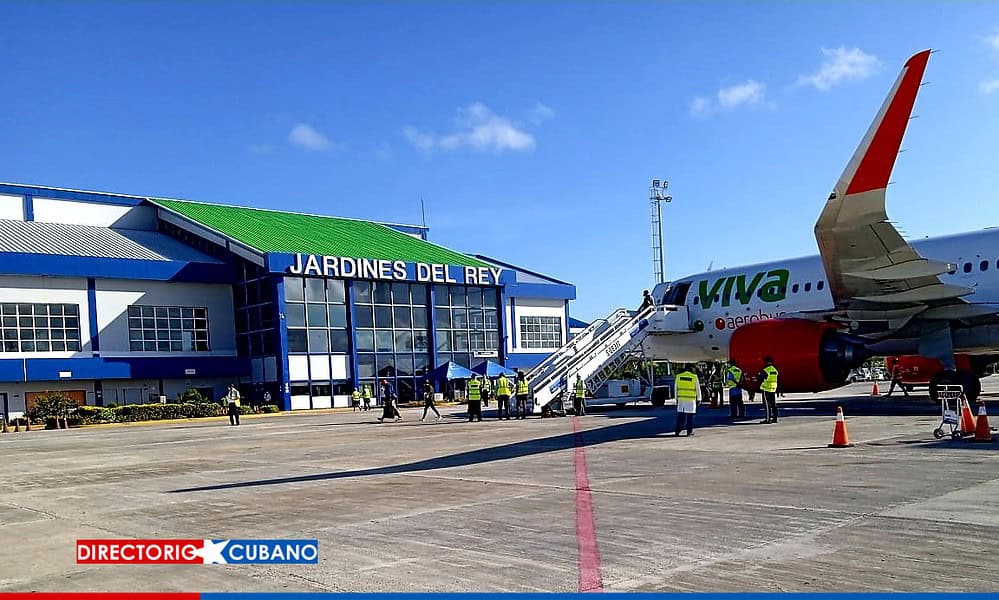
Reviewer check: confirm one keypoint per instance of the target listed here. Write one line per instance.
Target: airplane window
(967, 267)
(997, 266)
(820, 285)
(808, 286)
(697, 299)
(717, 297)
(794, 289)
(984, 266)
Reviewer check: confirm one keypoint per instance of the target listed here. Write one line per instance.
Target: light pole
(657, 195)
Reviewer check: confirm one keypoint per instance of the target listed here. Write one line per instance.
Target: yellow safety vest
(580, 389)
(367, 392)
(686, 387)
(356, 395)
(522, 387)
(502, 386)
(734, 377)
(770, 383)
(474, 389)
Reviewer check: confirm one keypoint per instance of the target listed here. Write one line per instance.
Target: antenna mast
(657, 195)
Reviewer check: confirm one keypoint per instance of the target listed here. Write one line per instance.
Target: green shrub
(270, 408)
(191, 396)
(50, 405)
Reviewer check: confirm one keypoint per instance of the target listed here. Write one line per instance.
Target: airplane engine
(811, 356)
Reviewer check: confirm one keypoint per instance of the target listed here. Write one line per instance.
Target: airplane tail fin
(872, 163)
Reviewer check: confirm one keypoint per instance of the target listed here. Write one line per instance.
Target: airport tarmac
(519, 505)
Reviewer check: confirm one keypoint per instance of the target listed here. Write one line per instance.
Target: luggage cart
(950, 411)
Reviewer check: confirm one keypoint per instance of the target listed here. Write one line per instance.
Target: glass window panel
(10, 334)
(419, 317)
(58, 346)
(335, 292)
(293, 290)
(322, 389)
(319, 341)
(163, 346)
(317, 315)
(42, 346)
(492, 340)
(490, 319)
(295, 316)
(58, 334)
(457, 296)
(490, 298)
(298, 340)
(477, 341)
(189, 323)
(73, 346)
(133, 311)
(41, 321)
(404, 365)
(163, 323)
(41, 309)
(362, 292)
(160, 312)
(12, 322)
(459, 318)
(365, 340)
(8, 308)
(475, 296)
(27, 334)
(403, 317)
(443, 341)
(461, 341)
(71, 309)
(442, 318)
(400, 293)
(403, 341)
(421, 364)
(383, 341)
(421, 341)
(25, 321)
(149, 346)
(441, 295)
(41, 334)
(24, 309)
(464, 360)
(418, 294)
(366, 365)
(174, 312)
(386, 365)
(338, 315)
(176, 346)
(299, 389)
(10, 346)
(315, 290)
(27, 346)
(383, 317)
(475, 318)
(363, 316)
(382, 292)
(339, 341)
(59, 309)
(187, 313)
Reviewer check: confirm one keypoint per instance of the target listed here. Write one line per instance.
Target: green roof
(277, 231)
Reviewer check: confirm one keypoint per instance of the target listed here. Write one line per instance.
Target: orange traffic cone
(874, 390)
(983, 433)
(967, 418)
(841, 439)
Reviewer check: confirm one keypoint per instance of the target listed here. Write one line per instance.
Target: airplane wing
(873, 273)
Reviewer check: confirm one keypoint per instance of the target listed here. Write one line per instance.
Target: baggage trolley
(950, 411)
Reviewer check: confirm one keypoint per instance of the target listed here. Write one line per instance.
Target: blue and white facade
(114, 299)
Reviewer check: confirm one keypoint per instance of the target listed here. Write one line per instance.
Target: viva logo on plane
(772, 286)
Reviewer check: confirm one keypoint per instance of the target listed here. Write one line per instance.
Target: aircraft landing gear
(966, 379)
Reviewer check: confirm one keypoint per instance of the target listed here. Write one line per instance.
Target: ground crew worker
(896, 379)
(688, 395)
(366, 397)
(647, 301)
(503, 397)
(522, 390)
(232, 399)
(355, 400)
(428, 400)
(579, 397)
(474, 389)
(733, 379)
(768, 386)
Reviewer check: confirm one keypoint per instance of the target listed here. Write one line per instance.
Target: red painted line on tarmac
(586, 528)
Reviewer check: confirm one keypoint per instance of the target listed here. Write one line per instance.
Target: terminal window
(541, 332)
(167, 329)
(40, 327)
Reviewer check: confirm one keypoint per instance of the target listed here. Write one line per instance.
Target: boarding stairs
(600, 350)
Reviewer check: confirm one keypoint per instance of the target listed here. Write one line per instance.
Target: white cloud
(541, 113)
(750, 93)
(993, 41)
(841, 65)
(700, 106)
(383, 152)
(476, 127)
(260, 148)
(989, 86)
(306, 136)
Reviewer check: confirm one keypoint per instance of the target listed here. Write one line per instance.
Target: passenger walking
(428, 400)
(768, 386)
(233, 401)
(366, 397)
(647, 301)
(355, 400)
(474, 389)
(389, 408)
(579, 397)
(502, 398)
(522, 391)
(733, 381)
(487, 390)
(688, 396)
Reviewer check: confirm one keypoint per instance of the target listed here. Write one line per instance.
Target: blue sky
(530, 129)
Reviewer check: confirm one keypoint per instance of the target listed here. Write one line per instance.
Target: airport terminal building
(124, 299)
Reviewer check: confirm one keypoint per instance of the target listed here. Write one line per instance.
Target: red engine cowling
(919, 370)
(810, 356)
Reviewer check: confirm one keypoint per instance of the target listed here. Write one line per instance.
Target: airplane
(869, 292)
